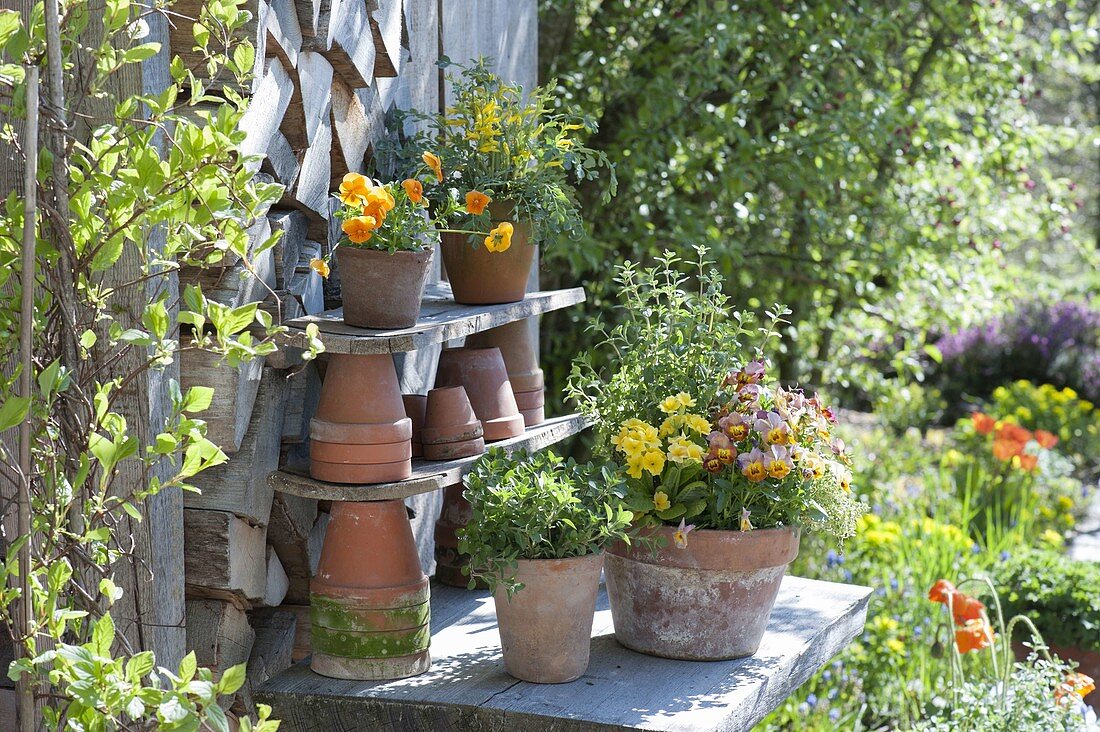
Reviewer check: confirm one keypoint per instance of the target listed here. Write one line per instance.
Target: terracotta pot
(1088, 663)
(380, 289)
(455, 433)
(546, 627)
(708, 601)
(454, 515)
(481, 277)
(528, 400)
(360, 473)
(415, 408)
(481, 371)
(449, 409)
(335, 452)
(360, 390)
(360, 434)
(527, 380)
(532, 417)
(454, 450)
(517, 344)
(369, 597)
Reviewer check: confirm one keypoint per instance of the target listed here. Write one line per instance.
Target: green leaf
(188, 666)
(140, 53)
(13, 412)
(198, 399)
(232, 679)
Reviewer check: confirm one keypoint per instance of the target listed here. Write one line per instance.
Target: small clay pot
(380, 289)
(360, 390)
(336, 452)
(369, 597)
(360, 473)
(532, 417)
(360, 434)
(453, 515)
(546, 627)
(415, 408)
(527, 400)
(455, 433)
(448, 407)
(527, 380)
(481, 277)
(454, 450)
(517, 344)
(481, 371)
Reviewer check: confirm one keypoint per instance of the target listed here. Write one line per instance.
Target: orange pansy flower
(360, 228)
(476, 201)
(433, 162)
(413, 189)
(500, 238)
(354, 188)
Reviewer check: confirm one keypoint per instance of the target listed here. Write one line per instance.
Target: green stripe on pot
(349, 644)
(327, 612)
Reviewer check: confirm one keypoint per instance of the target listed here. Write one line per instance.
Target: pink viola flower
(722, 447)
(778, 462)
(773, 428)
(750, 394)
(735, 426)
(790, 404)
(752, 373)
(680, 536)
(753, 465)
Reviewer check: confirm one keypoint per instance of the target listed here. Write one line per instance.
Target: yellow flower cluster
(641, 444)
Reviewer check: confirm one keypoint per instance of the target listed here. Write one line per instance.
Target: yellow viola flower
(476, 201)
(685, 400)
(681, 450)
(660, 501)
(698, 423)
(654, 462)
(433, 162)
(634, 466)
(354, 188)
(670, 405)
(746, 525)
(500, 238)
(319, 266)
(414, 189)
(359, 228)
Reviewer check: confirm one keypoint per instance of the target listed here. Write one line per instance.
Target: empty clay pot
(527, 400)
(516, 341)
(724, 584)
(369, 597)
(455, 433)
(361, 472)
(532, 417)
(360, 434)
(546, 627)
(454, 450)
(382, 289)
(481, 277)
(360, 390)
(527, 380)
(481, 371)
(415, 408)
(454, 515)
(336, 452)
(449, 414)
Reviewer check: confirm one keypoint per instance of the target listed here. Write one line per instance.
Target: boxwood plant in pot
(724, 468)
(536, 535)
(506, 161)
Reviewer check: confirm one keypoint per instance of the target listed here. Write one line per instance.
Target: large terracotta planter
(708, 601)
(380, 289)
(482, 372)
(546, 627)
(481, 277)
(369, 599)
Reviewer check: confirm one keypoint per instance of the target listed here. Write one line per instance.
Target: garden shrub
(1060, 595)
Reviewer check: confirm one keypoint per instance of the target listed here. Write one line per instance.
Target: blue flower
(1005, 555)
(834, 714)
(812, 700)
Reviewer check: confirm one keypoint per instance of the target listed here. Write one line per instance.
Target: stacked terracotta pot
(369, 610)
(416, 406)
(454, 515)
(361, 433)
(519, 348)
(482, 373)
(451, 429)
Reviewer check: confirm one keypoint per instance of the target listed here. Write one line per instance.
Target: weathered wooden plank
(427, 475)
(441, 319)
(351, 133)
(281, 162)
(182, 41)
(467, 688)
(278, 583)
(419, 82)
(267, 111)
(288, 249)
(235, 390)
(240, 485)
(296, 533)
(285, 32)
(272, 652)
(224, 557)
(308, 106)
(327, 16)
(351, 50)
(219, 634)
(388, 27)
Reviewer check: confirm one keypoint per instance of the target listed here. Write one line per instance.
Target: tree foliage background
(889, 170)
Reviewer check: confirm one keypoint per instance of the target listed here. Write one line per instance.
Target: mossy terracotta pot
(369, 608)
(546, 627)
(707, 601)
(416, 406)
(381, 289)
(483, 374)
(481, 277)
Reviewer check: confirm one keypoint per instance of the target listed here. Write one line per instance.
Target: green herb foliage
(1059, 594)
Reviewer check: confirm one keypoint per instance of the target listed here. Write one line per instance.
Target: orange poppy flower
(1075, 684)
(1027, 462)
(983, 423)
(476, 201)
(413, 189)
(360, 228)
(941, 591)
(500, 238)
(965, 608)
(353, 189)
(433, 162)
(973, 636)
(1013, 433)
(1007, 449)
(1046, 440)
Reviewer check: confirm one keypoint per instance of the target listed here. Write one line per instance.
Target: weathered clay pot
(546, 627)
(532, 417)
(449, 415)
(360, 434)
(517, 344)
(705, 602)
(481, 371)
(415, 408)
(481, 277)
(369, 598)
(454, 450)
(454, 515)
(527, 380)
(360, 473)
(383, 452)
(382, 290)
(360, 390)
(527, 400)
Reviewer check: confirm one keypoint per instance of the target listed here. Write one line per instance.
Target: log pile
(328, 76)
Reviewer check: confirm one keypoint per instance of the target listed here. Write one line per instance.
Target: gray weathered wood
(281, 162)
(278, 583)
(267, 110)
(308, 106)
(388, 28)
(182, 42)
(296, 533)
(272, 653)
(351, 133)
(441, 319)
(288, 249)
(467, 689)
(284, 32)
(427, 475)
(219, 634)
(235, 390)
(240, 485)
(224, 557)
(351, 50)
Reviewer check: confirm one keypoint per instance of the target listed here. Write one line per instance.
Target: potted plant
(724, 468)
(1061, 597)
(505, 161)
(383, 260)
(538, 526)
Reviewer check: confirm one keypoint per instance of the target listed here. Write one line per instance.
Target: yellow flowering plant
(690, 414)
(496, 143)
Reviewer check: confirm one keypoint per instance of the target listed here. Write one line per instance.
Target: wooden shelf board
(441, 320)
(427, 475)
(467, 688)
